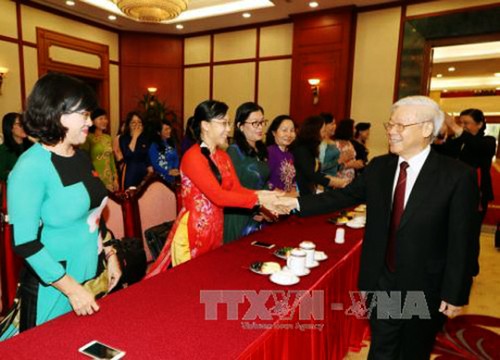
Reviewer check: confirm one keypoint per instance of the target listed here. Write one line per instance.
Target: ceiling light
(451, 69)
(70, 3)
(497, 74)
(246, 15)
(179, 26)
(313, 4)
(151, 11)
(112, 17)
(439, 75)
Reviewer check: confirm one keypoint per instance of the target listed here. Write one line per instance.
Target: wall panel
(114, 98)
(196, 88)
(276, 40)
(30, 68)
(197, 50)
(322, 49)
(274, 87)
(150, 61)
(234, 84)
(33, 18)
(10, 100)
(8, 24)
(374, 72)
(235, 45)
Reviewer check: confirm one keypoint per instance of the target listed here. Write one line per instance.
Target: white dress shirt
(416, 163)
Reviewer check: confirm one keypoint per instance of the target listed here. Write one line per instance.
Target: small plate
(257, 266)
(284, 278)
(320, 256)
(281, 252)
(355, 224)
(306, 272)
(314, 264)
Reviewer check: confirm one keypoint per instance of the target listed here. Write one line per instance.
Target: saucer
(284, 278)
(320, 256)
(355, 224)
(306, 271)
(314, 264)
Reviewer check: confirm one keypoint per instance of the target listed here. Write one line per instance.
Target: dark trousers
(403, 338)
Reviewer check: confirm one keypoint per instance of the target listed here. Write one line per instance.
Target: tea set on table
(299, 262)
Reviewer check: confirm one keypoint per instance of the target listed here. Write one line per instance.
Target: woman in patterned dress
(209, 183)
(99, 146)
(280, 135)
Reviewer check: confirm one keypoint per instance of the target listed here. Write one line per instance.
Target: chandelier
(152, 10)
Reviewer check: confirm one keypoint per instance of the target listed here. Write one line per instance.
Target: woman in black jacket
(305, 151)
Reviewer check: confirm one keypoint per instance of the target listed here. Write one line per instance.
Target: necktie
(397, 211)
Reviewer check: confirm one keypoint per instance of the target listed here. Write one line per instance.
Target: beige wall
(31, 19)
(235, 83)
(374, 74)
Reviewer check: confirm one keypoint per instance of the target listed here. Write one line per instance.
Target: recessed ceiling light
(246, 15)
(179, 26)
(112, 17)
(313, 4)
(70, 3)
(451, 69)
(439, 75)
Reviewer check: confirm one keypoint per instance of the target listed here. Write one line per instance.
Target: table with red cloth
(168, 316)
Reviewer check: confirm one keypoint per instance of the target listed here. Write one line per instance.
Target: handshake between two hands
(276, 202)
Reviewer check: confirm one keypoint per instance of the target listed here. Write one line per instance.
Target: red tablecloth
(165, 317)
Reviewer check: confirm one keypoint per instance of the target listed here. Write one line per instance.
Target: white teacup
(296, 262)
(309, 248)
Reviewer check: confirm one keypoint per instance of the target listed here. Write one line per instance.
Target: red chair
(10, 263)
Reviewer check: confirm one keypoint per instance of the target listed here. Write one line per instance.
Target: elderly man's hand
(450, 310)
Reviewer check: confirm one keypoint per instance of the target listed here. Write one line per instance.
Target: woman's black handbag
(156, 237)
(132, 258)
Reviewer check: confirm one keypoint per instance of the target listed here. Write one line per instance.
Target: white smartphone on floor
(98, 350)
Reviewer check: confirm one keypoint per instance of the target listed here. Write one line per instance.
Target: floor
(485, 291)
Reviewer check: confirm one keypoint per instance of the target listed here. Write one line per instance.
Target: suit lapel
(421, 188)
(386, 185)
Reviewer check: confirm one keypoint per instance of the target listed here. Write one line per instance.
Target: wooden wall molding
(150, 60)
(323, 48)
(99, 76)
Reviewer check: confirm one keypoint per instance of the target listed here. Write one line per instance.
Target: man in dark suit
(420, 229)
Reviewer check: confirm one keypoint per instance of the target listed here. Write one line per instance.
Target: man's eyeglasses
(400, 127)
(256, 124)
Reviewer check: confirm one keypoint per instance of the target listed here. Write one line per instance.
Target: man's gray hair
(437, 115)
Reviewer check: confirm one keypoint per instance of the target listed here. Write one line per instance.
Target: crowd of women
(226, 189)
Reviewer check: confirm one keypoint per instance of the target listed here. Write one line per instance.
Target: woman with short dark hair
(134, 145)
(306, 151)
(163, 152)
(15, 142)
(55, 203)
(280, 135)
